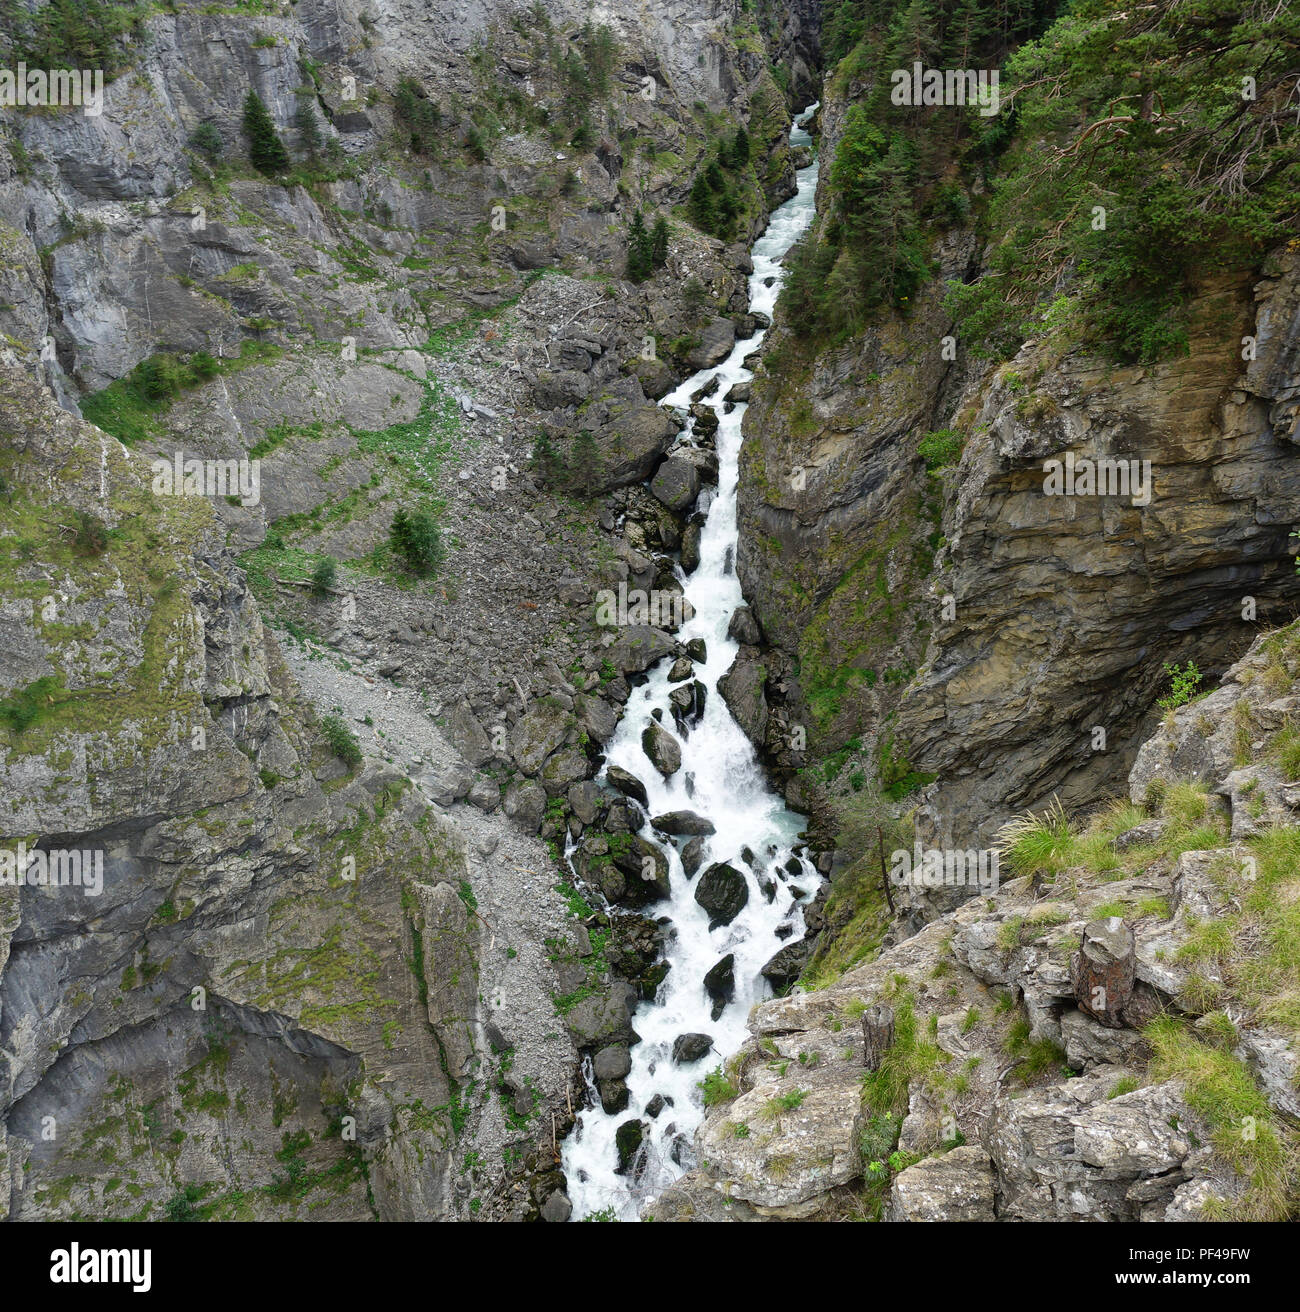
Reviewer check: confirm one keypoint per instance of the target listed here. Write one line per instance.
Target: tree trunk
(1102, 971)
(877, 1034)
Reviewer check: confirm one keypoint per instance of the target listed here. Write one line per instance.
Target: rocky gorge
(646, 547)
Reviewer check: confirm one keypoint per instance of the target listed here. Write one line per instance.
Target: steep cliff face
(935, 611)
(148, 243)
(1064, 624)
(273, 1007)
(794, 36)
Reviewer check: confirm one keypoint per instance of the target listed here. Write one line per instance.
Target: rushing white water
(720, 778)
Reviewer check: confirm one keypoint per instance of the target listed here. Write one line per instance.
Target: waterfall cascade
(721, 779)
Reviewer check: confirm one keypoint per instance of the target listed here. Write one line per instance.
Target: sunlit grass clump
(1047, 843)
(1243, 1128)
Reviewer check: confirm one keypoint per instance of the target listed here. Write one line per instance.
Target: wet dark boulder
(635, 953)
(627, 1139)
(630, 444)
(688, 1048)
(691, 550)
(687, 704)
(610, 1068)
(603, 1018)
(614, 1095)
(639, 647)
(682, 822)
(644, 868)
(692, 857)
(720, 983)
(676, 484)
(784, 969)
(722, 892)
(743, 627)
(715, 343)
(664, 751)
(627, 784)
(742, 688)
(613, 1062)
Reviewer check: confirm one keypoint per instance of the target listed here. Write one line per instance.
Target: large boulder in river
(691, 1047)
(722, 892)
(630, 445)
(687, 705)
(692, 856)
(742, 689)
(614, 1096)
(662, 748)
(610, 1068)
(716, 341)
(645, 870)
(639, 647)
(657, 379)
(691, 547)
(676, 484)
(586, 801)
(785, 968)
(720, 983)
(627, 784)
(603, 1017)
(627, 1139)
(625, 867)
(596, 717)
(682, 822)
(612, 1063)
(743, 627)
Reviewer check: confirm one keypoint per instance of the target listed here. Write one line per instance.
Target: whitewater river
(728, 787)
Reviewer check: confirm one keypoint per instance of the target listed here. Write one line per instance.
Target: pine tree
(265, 149)
(416, 538)
(703, 209)
(639, 263)
(420, 117)
(547, 460)
(915, 35)
(740, 148)
(309, 133)
(207, 141)
(659, 243)
(584, 462)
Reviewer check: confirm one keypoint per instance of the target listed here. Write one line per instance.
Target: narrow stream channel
(722, 780)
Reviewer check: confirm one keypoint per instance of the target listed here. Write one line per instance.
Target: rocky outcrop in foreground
(1010, 1087)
